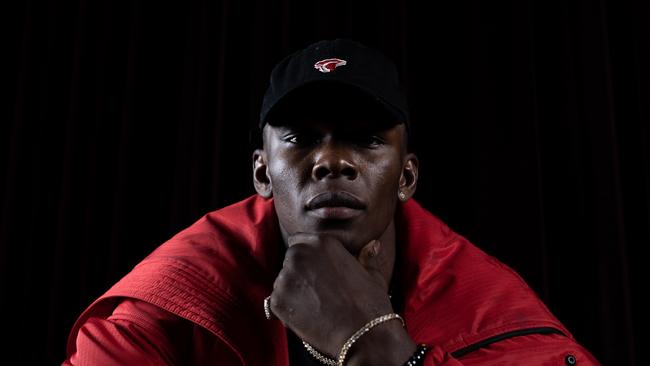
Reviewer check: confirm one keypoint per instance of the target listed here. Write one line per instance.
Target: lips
(335, 199)
(335, 205)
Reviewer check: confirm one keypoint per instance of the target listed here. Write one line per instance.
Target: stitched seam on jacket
(188, 273)
(223, 300)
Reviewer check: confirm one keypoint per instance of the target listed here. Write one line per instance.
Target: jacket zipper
(516, 333)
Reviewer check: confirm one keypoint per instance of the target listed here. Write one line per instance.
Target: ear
(261, 179)
(409, 178)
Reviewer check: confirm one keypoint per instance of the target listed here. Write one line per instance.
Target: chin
(345, 232)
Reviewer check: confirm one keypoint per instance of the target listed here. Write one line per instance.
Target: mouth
(335, 205)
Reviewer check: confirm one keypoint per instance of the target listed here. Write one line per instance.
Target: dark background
(124, 122)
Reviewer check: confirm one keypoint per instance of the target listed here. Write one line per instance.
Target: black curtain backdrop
(124, 122)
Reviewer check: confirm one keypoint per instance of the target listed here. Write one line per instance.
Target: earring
(402, 196)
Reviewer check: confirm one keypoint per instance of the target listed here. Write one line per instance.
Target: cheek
(285, 181)
(384, 178)
(383, 181)
(284, 175)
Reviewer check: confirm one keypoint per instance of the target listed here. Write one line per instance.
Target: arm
(138, 333)
(325, 295)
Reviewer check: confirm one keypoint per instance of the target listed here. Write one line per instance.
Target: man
(332, 261)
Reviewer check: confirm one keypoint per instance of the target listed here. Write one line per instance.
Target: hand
(324, 294)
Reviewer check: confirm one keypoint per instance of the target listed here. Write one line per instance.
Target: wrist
(386, 344)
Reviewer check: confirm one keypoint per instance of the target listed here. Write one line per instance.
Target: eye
(301, 139)
(370, 141)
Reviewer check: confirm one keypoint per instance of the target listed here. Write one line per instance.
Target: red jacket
(198, 299)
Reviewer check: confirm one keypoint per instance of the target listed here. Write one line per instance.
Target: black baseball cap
(332, 66)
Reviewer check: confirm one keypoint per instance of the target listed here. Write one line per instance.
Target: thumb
(369, 259)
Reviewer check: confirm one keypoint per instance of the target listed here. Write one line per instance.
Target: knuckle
(277, 303)
(296, 254)
(284, 280)
(279, 279)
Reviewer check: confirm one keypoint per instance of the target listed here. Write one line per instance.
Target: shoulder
(458, 296)
(201, 273)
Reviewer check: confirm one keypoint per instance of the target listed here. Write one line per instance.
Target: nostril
(334, 169)
(349, 172)
(348, 169)
(320, 171)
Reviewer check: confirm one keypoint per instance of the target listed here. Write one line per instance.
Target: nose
(333, 161)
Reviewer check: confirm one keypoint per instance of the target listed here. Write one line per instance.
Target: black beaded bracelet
(418, 356)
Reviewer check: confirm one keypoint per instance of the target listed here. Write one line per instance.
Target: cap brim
(327, 92)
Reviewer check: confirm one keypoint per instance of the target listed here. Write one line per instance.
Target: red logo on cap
(329, 65)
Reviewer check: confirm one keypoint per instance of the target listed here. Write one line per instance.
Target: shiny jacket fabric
(197, 299)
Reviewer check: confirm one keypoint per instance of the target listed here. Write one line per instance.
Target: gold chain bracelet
(319, 356)
(348, 344)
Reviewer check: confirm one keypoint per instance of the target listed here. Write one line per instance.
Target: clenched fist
(324, 294)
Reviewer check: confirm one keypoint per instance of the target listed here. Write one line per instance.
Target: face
(339, 176)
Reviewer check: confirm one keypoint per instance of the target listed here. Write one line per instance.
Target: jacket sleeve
(534, 349)
(138, 333)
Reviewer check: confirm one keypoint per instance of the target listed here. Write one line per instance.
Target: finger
(302, 238)
(370, 260)
(368, 253)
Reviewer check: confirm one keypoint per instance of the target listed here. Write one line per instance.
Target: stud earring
(402, 195)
